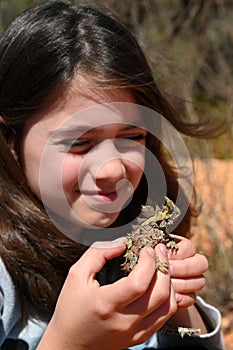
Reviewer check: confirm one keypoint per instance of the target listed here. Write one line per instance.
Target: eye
(130, 141)
(137, 137)
(76, 146)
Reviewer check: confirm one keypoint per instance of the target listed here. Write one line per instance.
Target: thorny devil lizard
(151, 230)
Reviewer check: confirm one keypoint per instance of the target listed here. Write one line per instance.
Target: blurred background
(189, 44)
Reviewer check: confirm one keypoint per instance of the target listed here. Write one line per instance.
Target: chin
(103, 221)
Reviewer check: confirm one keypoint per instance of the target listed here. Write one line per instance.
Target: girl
(64, 178)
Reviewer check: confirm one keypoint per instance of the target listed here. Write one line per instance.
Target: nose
(111, 167)
(112, 171)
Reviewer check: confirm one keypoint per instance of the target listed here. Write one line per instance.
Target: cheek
(70, 171)
(135, 168)
(135, 174)
(50, 173)
(31, 163)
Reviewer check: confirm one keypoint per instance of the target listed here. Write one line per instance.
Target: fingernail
(109, 244)
(151, 251)
(163, 249)
(117, 242)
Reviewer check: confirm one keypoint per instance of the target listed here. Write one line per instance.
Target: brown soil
(213, 230)
(227, 326)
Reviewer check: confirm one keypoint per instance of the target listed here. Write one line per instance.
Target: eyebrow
(81, 129)
(69, 131)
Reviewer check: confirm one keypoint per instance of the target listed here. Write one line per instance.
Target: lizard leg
(162, 265)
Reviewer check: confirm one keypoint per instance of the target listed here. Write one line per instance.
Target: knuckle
(139, 286)
(102, 311)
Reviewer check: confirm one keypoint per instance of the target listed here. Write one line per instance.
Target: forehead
(107, 116)
(85, 108)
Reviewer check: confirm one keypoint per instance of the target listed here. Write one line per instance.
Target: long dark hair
(41, 51)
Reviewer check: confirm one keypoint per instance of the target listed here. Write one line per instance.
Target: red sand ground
(214, 185)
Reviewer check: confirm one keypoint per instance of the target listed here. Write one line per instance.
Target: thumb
(96, 256)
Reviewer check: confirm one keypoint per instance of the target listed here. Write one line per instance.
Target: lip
(104, 196)
(108, 196)
(101, 196)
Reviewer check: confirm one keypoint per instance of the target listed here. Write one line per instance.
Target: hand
(186, 269)
(115, 316)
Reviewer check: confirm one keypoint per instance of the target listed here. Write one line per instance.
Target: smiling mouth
(108, 196)
(102, 197)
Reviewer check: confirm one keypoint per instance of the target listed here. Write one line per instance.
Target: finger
(156, 319)
(186, 248)
(185, 300)
(130, 288)
(96, 256)
(158, 291)
(189, 267)
(188, 285)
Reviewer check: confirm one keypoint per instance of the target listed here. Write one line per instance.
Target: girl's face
(85, 157)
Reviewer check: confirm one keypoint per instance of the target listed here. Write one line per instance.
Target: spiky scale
(150, 231)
